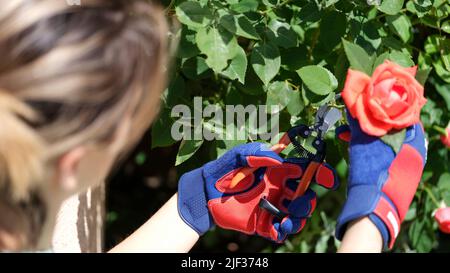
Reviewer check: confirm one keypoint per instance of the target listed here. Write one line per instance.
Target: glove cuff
(368, 201)
(192, 202)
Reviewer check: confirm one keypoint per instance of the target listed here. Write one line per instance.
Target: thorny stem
(440, 130)
(431, 195)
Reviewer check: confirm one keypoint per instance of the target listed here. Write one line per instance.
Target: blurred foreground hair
(68, 74)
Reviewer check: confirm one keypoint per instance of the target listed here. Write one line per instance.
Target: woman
(79, 85)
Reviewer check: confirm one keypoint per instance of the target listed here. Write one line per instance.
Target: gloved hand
(381, 184)
(205, 197)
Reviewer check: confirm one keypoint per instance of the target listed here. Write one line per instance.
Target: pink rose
(391, 99)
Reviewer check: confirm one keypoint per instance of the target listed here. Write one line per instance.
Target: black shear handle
(265, 204)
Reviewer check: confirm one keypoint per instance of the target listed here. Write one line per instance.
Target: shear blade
(330, 119)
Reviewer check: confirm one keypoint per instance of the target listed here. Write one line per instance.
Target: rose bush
(296, 54)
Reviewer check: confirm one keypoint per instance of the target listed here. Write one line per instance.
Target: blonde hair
(68, 74)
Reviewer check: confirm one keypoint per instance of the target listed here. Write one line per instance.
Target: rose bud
(446, 138)
(442, 216)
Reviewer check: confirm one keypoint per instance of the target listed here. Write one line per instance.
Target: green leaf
(253, 85)
(430, 114)
(400, 25)
(281, 34)
(380, 59)
(424, 61)
(266, 61)
(195, 68)
(366, 33)
(278, 93)
(412, 7)
(446, 26)
(295, 105)
(341, 69)
(161, 130)
(174, 92)
(239, 25)
(421, 233)
(443, 89)
(422, 75)
(187, 47)
(432, 44)
(218, 45)
(245, 6)
(445, 53)
(294, 58)
(411, 214)
(393, 43)
(358, 57)
(187, 149)
(233, 97)
(318, 79)
(391, 7)
(441, 71)
(332, 28)
(270, 3)
(395, 139)
(401, 58)
(312, 98)
(310, 12)
(237, 67)
(424, 3)
(193, 14)
(444, 182)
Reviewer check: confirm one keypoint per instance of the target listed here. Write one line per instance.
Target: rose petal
(412, 70)
(387, 112)
(368, 123)
(403, 73)
(395, 108)
(382, 72)
(377, 110)
(411, 115)
(396, 103)
(382, 89)
(355, 84)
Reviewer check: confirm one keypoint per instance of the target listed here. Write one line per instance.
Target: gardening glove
(205, 196)
(381, 184)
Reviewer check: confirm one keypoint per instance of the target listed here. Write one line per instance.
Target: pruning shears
(326, 117)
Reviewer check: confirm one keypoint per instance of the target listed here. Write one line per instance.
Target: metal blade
(330, 119)
(321, 112)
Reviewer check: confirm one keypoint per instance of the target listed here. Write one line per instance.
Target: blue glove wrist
(381, 227)
(361, 202)
(192, 202)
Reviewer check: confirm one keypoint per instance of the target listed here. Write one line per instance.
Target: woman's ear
(67, 168)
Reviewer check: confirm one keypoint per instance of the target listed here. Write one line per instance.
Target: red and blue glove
(381, 184)
(205, 196)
